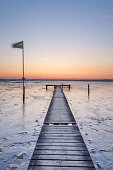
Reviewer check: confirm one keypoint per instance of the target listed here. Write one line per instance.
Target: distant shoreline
(101, 80)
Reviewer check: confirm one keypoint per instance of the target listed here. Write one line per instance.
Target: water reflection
(23, 116)
(88, 95)
(23, 108)
(88, 92)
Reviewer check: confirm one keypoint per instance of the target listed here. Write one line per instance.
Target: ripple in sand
(12, 166)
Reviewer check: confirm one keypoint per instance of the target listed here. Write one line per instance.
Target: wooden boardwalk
(60, 144)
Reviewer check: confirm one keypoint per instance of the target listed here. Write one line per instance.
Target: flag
(18, 45)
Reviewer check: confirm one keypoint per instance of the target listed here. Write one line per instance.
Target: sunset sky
(62, 38)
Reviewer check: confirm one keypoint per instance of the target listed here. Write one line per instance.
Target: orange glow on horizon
(58, 76)
(56, 72)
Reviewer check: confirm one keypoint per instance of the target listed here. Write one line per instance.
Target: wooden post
(69, 86)
(62, 85)
(88, 90)
(46, 87)
(23, 94)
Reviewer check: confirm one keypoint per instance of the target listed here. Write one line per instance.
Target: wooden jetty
(60, 145)
(63, 85)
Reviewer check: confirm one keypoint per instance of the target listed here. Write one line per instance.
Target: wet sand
(20, 124)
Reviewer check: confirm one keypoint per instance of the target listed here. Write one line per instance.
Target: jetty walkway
(60, 145)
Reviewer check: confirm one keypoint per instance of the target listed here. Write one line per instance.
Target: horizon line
(60, 79)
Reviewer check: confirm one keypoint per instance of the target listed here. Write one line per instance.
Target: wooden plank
(71, 131)
(54, 136)
(60, 147)
(60, 126)
(61, 157)
(58, 132)
(58, 121)
(61, 163)
(56, 141)
(59, 137)
(58, 168)
(75, 149)
(59, 152)
(57, 144)
(61, 129)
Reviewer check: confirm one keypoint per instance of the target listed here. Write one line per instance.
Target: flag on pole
(18, 45)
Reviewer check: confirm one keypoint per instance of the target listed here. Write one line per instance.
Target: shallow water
(20, 124)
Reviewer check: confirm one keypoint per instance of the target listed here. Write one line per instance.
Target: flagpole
(23, 75)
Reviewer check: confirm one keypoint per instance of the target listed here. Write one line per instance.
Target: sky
(62, 38)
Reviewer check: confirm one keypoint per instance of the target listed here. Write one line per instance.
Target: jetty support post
(62, 85)
(88, 90)
(69, 86)
(46, 87)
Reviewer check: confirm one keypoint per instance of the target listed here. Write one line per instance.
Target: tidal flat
(20, 124)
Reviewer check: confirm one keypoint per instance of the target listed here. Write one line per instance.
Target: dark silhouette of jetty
(60, 145)
(63, 85)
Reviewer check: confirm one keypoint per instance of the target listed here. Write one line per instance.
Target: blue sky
(72, 38)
